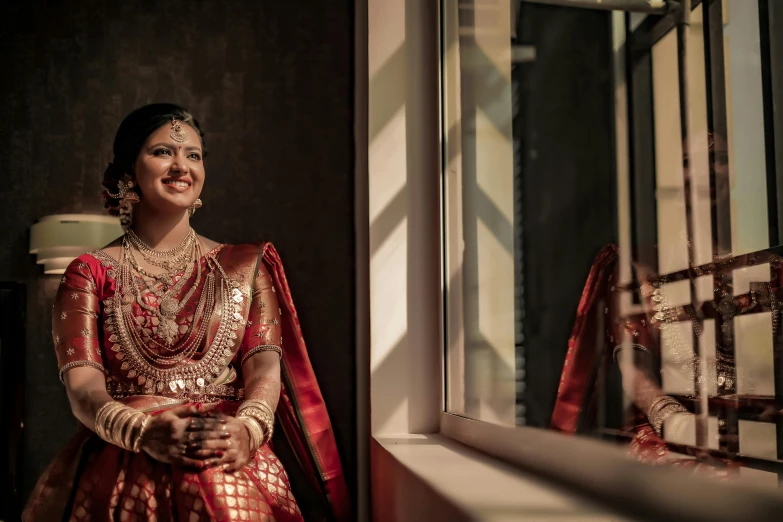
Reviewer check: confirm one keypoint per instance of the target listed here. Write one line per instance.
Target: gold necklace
(166, 259)
(668, 316)
(174, 252)
(187, 376)
(172, 261)
(168, 306)
(190, 344)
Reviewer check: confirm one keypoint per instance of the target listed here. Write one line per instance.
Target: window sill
(417, 473)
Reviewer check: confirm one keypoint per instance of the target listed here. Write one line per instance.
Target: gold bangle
(100, 416)
(118, 427)
(254, 430)
(257, 413)
(110, 418)
(262, 413)
(268, 434)
(660, 409)
(114, 423)
(262, 416)
(265, 422)
(106, 422)
(127, 440)
(102, 419)
(259, 406)
(140, 434)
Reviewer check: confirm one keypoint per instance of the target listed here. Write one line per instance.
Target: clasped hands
(188, 437)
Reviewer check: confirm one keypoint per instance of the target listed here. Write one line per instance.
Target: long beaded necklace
(186, 349)
(168, 306)
(205, 305)
(139, 361)
(667, 315)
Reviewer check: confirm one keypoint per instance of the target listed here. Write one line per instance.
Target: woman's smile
(177, 184)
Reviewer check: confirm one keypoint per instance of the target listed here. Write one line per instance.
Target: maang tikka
(178, 132)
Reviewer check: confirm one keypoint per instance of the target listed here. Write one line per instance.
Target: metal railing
(659, 7)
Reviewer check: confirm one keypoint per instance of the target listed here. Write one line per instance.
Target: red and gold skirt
(94, 481)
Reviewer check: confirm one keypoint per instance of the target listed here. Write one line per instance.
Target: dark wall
(271, 82)
(568, 180)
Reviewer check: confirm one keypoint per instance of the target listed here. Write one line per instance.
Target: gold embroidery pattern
(104, 259)
(74, 328)
(263, 326)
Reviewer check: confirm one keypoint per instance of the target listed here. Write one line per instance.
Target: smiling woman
(170, 347)
(167, 166)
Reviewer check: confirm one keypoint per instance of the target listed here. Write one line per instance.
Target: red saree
(574, 400)
(597, 329)
(578, 369)
(92, 480)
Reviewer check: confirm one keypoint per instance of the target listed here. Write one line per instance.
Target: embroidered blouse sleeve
(263, 332)
(75, 320)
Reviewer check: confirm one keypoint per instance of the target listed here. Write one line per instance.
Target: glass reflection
(675, 338)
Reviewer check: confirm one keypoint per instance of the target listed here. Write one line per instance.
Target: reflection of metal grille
(639, 6)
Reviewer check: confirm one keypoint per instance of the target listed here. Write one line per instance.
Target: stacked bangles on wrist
(660, 409)
(115, 423)
(259, 419)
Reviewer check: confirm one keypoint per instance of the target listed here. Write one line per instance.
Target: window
(612, 227)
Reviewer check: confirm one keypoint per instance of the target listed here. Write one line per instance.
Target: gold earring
(196, 204)
(131, 196)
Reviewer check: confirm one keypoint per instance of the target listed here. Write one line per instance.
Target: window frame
(542, 451)
(539, 453)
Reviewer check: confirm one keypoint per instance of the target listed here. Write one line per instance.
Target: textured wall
(272, 84)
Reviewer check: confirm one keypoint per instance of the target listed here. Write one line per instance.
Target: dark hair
(133, 132)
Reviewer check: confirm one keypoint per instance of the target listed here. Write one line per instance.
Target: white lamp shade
(59, 239)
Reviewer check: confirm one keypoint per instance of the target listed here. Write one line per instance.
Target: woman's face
(170, 174)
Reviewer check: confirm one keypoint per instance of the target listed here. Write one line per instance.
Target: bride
(172, 348)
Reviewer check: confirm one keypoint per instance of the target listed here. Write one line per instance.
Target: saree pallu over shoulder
(577, 374)
(302, 412)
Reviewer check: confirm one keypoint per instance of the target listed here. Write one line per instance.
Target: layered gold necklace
(155, 361)
(183, 260)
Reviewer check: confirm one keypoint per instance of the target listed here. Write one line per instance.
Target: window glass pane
(612, 227)
(480, 210)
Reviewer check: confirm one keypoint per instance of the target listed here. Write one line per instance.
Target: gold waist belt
(209, 392)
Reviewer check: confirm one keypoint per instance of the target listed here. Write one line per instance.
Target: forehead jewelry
(178, 132)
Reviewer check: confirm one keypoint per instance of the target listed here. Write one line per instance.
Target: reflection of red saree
(579, 375)
(104, 472)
